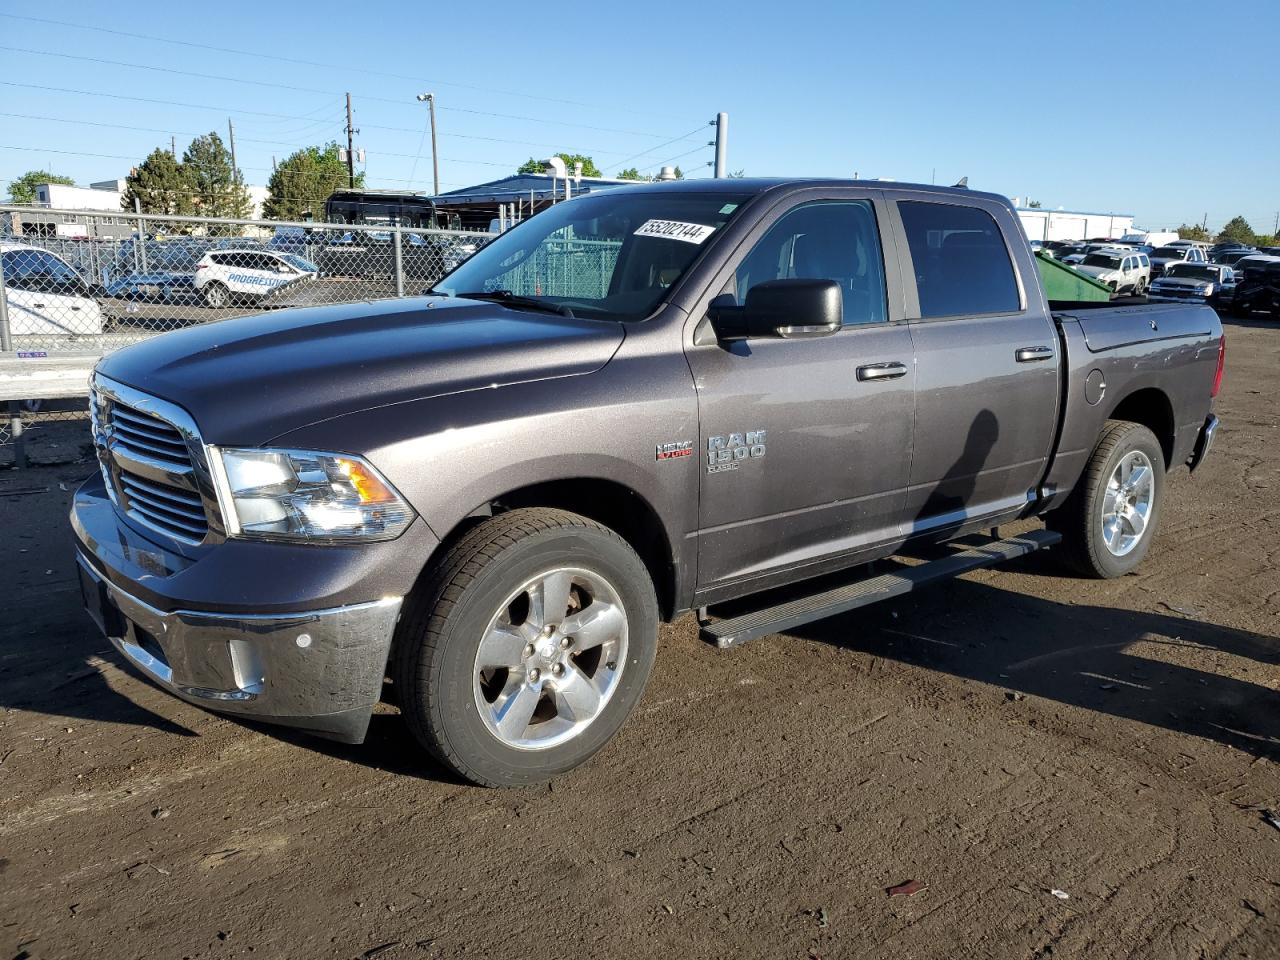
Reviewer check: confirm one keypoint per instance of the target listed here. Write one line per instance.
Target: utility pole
(722, 143)
(430, 100)
(173, 146)
(351, 154)
(231, 139)
(1204, 224)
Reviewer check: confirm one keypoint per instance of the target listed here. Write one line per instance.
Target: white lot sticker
(675, 230)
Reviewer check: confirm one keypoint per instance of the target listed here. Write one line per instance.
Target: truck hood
(1190, 283)
(1099, 272)
(249, 380)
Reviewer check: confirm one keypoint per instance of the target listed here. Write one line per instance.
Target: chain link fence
(79, 284)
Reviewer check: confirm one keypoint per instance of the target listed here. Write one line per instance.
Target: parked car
(1231, 256)
(294, 240)
(1223, 245)
(1123, 272)
(1209, 283)
(45, 295)
(1161, 257)
(1258, 287)
(223, 277)
(156, 285)
(496, 494)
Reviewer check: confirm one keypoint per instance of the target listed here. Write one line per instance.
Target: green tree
(160, 185)
(1192, 232)
(1238, 229)
(631, 173)
(23, 190)
(589, 168)
(218, 190)
(738, 174)
(1033, 204)
(303, 181)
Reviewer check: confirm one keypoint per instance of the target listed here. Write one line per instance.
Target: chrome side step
(793, 613)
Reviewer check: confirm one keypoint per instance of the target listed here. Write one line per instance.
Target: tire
(467, 713)
(1140, 287)
(1097, 548)
(216, 295)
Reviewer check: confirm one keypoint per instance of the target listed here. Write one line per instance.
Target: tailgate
(1110, 327)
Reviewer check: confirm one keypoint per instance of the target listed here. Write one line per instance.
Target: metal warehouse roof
(521, 185)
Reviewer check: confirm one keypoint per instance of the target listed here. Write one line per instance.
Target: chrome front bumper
(320, 670)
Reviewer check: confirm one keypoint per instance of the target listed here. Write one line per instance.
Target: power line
(166, 103)
(328, 66)
(697, 129)
(294, 89)
(298, 140)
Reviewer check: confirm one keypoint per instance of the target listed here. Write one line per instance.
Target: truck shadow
(1166, 671)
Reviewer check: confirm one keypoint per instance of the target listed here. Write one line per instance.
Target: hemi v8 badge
(726, 453)
(675, 451)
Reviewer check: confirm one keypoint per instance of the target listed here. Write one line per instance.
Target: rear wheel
(527, 647)
(216, 295)
(1140, 287)
(1110, 519)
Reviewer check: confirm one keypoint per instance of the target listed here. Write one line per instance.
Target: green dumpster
(1061, 282)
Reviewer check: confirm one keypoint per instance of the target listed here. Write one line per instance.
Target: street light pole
(430, 99)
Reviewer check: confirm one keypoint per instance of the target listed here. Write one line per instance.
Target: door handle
(882, 371)
(1032, 354)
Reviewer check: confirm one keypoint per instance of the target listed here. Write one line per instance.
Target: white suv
(1122, 270)
(223, 276)
(46, 297)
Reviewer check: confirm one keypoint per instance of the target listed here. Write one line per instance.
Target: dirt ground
(1010, 734)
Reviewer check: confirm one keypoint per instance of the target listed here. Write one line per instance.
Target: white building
(102, 197)
(1041, 224)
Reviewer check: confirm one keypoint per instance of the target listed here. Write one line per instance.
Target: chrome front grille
(149, 436)
(175, 511)
(153, 462)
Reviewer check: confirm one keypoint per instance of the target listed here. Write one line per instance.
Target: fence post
(140, 245)
(6, 339)
(396, 234)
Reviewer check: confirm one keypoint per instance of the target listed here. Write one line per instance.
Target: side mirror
(791, 309)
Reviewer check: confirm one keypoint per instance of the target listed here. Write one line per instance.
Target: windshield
(1193, 271)
(1177, 253)
(296, 261)
(1102, 260)
(611, 255)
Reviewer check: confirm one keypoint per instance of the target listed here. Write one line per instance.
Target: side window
(961, 262)
(827, 240)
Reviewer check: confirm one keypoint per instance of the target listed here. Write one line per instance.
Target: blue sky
(1073, 104)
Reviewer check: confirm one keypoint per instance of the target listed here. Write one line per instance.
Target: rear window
(1102, 260)
(1177, 252)
(961, 262)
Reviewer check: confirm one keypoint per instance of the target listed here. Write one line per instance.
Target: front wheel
(1109, 520)
(216, 295)
(527, 646)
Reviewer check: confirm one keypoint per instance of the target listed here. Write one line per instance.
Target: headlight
(303, 495)
(1207, 289)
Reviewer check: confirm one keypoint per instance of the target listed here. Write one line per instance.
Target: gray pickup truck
(645, 401)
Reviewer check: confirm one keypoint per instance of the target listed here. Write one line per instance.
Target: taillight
(1217, 376)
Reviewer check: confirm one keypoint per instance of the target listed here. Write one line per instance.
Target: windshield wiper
(507, 298)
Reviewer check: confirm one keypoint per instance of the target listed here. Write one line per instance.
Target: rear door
(805, 444)
(987, 361)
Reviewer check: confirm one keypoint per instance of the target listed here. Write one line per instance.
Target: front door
(805, 444)
(987, 362)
